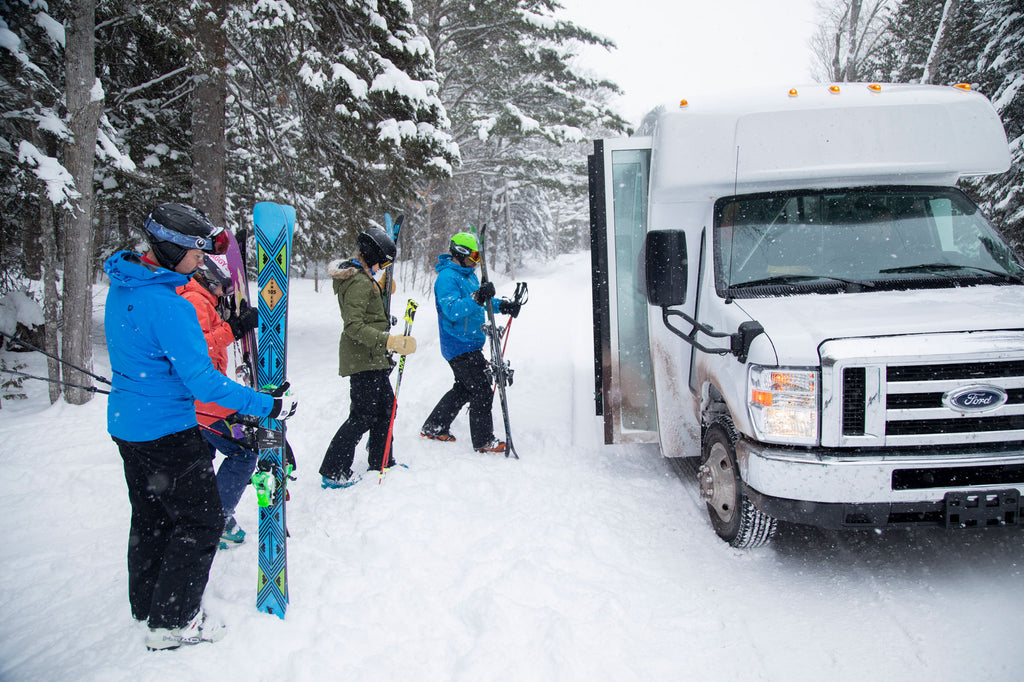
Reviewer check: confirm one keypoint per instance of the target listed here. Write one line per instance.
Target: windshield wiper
(793, 279)
(934, 267)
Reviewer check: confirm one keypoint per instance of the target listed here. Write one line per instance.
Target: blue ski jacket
(158, 356)
(460, 320)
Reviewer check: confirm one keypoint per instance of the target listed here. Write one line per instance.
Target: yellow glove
(403, 345)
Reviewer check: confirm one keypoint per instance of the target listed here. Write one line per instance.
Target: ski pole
(410, 313)
(28, 345)
(92, 389)
(521, 296)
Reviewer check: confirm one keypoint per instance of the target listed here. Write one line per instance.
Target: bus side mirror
(665, 270)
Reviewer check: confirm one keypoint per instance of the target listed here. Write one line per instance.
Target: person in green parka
(363, 357)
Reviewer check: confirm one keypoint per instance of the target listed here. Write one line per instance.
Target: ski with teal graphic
(274, 225)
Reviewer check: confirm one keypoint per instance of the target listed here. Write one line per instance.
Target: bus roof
(822, 136)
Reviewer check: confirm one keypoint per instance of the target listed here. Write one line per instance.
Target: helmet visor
(216, 242)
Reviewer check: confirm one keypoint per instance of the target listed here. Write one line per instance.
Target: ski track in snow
(578, 562)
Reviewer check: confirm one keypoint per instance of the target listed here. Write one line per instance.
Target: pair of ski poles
(410, 313)
(29, 346)
(521, 296)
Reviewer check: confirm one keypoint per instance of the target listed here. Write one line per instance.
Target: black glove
(509, 307)
(244, 322)
(284, 404)
(484, 293)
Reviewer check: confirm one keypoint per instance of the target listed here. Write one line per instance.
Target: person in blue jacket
(160, 365)
(460, 299)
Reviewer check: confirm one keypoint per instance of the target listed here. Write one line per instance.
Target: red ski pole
(410, 313)
(521, 296)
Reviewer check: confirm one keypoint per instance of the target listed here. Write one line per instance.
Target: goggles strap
(215, 242)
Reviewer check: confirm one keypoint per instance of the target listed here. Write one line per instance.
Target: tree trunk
(508, 232)
(208, 117)
(850, 70)
(949, 9)
(85, 102)
(31, 254)
(51, 296)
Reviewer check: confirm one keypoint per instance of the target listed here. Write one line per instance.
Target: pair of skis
(501, 371)
(264, 365)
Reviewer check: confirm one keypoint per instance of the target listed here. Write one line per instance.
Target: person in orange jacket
(206, 291)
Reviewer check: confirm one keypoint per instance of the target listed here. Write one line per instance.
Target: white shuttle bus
(790, 286)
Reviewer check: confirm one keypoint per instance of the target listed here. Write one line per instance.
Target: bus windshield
(828, 241)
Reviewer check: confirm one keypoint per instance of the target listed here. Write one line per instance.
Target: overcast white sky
(670, 50)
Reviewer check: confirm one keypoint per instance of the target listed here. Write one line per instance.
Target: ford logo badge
(976, 398)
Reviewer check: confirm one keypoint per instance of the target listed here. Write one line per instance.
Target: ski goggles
(472, 255)
(216, 242)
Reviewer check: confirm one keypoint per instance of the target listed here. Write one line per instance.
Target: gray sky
(668, 50)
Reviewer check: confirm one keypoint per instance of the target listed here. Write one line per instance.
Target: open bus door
(619, 173)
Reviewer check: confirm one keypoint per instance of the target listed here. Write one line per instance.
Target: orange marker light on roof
(963, 86)
(875, 87)
(792, 92)
(683, 103)
(834, 89)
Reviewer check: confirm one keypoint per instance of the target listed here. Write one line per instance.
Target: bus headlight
(783, 404)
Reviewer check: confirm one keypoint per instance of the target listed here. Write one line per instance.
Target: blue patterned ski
(392, 228)
(274, 223)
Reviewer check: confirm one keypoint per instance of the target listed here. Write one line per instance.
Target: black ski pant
(472, 385)
(176, 525)
(370, 401)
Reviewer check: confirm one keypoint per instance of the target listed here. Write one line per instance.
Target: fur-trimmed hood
(344, 268)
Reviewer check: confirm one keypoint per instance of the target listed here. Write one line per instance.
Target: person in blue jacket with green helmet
(160, 365)
(460, 299)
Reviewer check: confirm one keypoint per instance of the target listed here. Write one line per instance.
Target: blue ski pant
(175, 527)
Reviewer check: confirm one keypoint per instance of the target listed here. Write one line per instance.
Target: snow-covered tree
(340, 101)
(142, 59)
(32, 131)
(33, 181)
(946, 42)
(929, 41)
(519, 110)
(850, 37)
(1001, 76)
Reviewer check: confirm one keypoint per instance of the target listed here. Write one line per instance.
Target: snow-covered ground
(578, 562)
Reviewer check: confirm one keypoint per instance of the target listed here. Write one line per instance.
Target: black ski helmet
(376, 247)
(213, 273)
(172, 229)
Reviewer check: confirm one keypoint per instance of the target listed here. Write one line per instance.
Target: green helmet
(464, 245)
